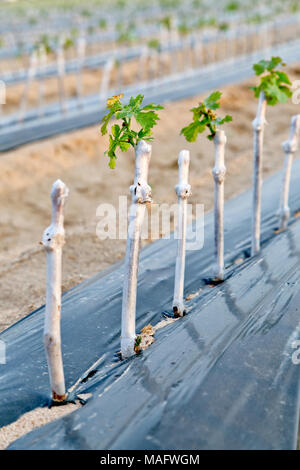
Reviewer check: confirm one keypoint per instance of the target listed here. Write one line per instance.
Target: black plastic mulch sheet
(222, 377)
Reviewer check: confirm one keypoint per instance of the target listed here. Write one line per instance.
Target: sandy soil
(78, 159)
(31, 420)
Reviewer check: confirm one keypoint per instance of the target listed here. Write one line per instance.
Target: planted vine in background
(45, 43)
(68, 43)
(273, 88)
(102, 23)
(127, 33)
(49, 44)
(166, 22)
(183, 29)
(232, 6)
(154, 44)
(205, 118)
(123, 136)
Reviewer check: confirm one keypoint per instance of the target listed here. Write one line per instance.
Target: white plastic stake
(183, 191)
(119, 73)
(289, 147)
(81, 48)
(33, 63)
(142, 65)
(42, 70)
(2, 98)
(258, 127)
(53, 241)
(61, 72)
(219, 172)
(141, 194)
(154, 64)
(106, 78)
(199, 51)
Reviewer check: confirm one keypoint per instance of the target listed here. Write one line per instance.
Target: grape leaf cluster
(274, 84)
(123, 136)
(204, 118)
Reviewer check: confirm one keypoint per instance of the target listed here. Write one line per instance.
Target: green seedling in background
(232, 6)
(154, 44)
(44, 42)
(183, 29)
(102, 23)
(166, 21)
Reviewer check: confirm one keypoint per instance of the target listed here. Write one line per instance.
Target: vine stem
(53, 241)
(141, 194)
(61, 73)
(289, 147)
(219, 172)
(183, 191)
(31, 73)
(258, 128)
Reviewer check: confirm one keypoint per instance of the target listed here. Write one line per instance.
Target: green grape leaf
(274, 83)
(204, 117)
(123, 136)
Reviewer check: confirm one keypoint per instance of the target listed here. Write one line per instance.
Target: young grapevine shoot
(205, 117)
(123, 136)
